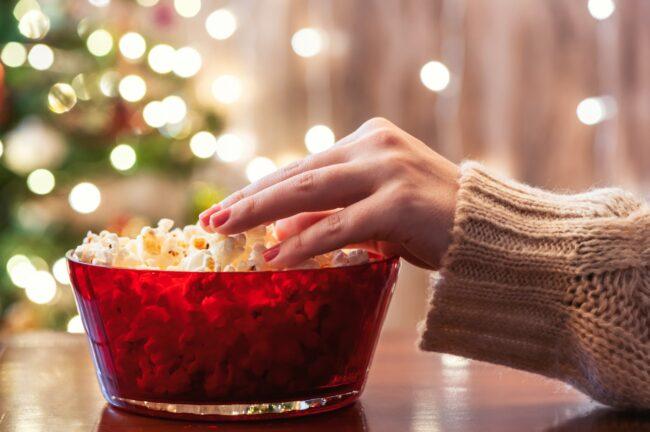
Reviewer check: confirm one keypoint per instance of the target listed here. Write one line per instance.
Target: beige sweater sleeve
(554, 284)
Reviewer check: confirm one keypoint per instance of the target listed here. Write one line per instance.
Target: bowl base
(237, 412)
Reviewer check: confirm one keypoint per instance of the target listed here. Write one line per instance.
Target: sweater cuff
(503, 290)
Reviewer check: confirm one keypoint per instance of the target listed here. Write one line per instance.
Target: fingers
(331, 157)
(285, 228)
(322, 189)
(354, 224)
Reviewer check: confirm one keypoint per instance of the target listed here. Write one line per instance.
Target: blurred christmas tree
(83, 96)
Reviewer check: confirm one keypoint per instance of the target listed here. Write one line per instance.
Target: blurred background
(114, 113)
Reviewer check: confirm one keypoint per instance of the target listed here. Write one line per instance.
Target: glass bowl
(232, 346)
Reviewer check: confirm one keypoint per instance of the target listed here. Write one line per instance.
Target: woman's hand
(378, 188)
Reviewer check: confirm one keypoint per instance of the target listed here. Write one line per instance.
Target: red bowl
(230, 346)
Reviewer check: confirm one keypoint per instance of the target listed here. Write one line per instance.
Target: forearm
(553, 284)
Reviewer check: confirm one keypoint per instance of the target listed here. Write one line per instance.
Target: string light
(147, 3)
(227, 89)
(435, 76)
(307, 42)
(61, 98)
(230, 147)
(601, 9)
(203, 144)
(187, 62)
(40, 57)
(123, 157)
(13, 54)
(75, 325)
(175, 109)
(154, 114)
(594, 110)
(221, 24)
(85, 198)
(99, 3)
(34, 24)
(132, 88)
(161, 58)
(132, 45)
(19, 268)
(319, 138)
(259, 167)
(108, 83)
(187, 8)
(41, 287)
(41, 181)
(100, 43)
(60, 271)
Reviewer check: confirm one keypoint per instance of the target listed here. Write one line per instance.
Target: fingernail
(271, 253)
(205, 215)
(220, 218)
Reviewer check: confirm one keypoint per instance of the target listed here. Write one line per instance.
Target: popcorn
(193, 249)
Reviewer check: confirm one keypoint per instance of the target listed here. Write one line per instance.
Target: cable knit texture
(553, 284)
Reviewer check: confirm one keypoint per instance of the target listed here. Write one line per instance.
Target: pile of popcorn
(194, 249)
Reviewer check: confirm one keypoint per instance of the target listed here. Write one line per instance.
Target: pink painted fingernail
(220, 218)
(271, 253)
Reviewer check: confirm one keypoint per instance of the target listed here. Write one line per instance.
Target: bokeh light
(259, 167)
(100, 43)
(591, 111)
(132, 88)
(2, 148)
(227, 89)
(80, 87)
(203, 144)
(175, 109)
(75, 325)
(85, 198)
(319, 138)
(24, 6)
(34, 24)
(41, 181)
(187, 8)
(147, 3)
(230, 147)
(41, 287)
(161, 58)
(221, 24)
(435, 76)
(60, 271)
(154, 114)
(61, 98)
(601, 9)
(99, 3)
(132, 45)
(307, 42)
(13, 54)
(40, 57)
(123, 157)
(108, 83)
(187, 62)
(20, 268)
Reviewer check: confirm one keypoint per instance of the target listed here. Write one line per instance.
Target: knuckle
(305, 182)
(385, 137)
(248, 206)
(376, 123)
(333, 224)
(292, 168)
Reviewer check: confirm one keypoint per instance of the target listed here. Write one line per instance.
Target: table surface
(47, 383)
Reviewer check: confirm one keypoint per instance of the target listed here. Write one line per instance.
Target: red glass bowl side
(232, 338)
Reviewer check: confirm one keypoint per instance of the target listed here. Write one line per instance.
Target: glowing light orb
(34, 24)
(99, 43)
(435, 76)
(132, 88)
(41, 181)
(187, 8)
(187, 62)
(230, 147)
(161, 58)
(203, 144)
(227, 89)
(175, 109)
(61, 98)
(123, 157)
(13, 54)
(307, 42)
(319, 138)
(132, 45)
(601, 9)
(60, 271)
(41, 287)
(85, 198)
(221, 24)
(259, 167)
(40, 57)
(154, 114)
(75, 325)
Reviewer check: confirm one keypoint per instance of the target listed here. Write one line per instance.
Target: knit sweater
(553, 284)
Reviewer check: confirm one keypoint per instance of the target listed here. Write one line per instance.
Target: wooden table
(47, 383)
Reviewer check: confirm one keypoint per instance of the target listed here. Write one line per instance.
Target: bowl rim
(384, 259)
